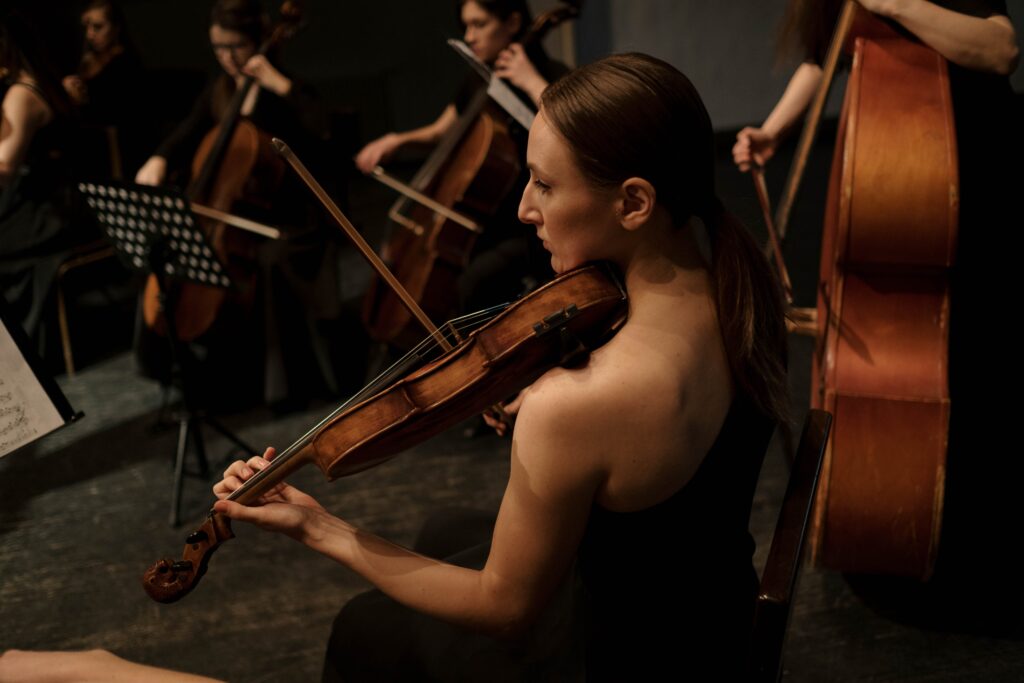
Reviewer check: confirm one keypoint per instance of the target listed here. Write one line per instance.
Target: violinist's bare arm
(513, 65)
(381, 149)
(755, 146)
(93, 666)
(984, 44)
(22, 113)
(540, 522)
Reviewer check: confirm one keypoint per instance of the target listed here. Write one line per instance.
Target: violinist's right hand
(152, 172)
(754, 147)
(379, 150)
(284, 508)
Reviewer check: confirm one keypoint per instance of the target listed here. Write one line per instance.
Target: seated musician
(40, 216)
(502, 256)
(106, 86)
(297, 302)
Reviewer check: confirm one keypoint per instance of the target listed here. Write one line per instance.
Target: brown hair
(662, 133)
(806, 29)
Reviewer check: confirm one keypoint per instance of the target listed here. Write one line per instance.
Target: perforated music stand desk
(154, 231)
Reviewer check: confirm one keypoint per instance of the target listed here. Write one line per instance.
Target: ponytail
(751, 315)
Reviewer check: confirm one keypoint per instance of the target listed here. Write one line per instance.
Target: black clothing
(662, 593)
(113, 99)
(41, 221)
(669, 591)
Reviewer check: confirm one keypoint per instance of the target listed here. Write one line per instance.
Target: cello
(235, 160)
(471, 170)
(880, 362)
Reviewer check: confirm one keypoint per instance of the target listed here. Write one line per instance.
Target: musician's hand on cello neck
(514, 66)
(382, 149)
(267, 75)
(756, 146)
(983, 44)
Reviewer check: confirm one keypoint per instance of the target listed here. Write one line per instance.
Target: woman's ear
(636, 202)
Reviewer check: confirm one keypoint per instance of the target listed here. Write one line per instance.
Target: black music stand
(154, 231)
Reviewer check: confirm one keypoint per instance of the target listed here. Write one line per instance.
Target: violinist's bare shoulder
(637, 417)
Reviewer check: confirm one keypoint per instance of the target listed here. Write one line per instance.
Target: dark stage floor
(84, 512)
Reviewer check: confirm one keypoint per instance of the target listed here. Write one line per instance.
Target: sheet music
(26, 411)
(498, 89)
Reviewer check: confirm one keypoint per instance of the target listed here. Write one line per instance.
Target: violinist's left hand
(513, 65)
(267, 75)
(284, 508)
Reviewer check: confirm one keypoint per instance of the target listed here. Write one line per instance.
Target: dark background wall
(387, 60)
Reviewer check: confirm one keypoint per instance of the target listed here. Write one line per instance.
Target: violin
(472, 170)
(461, 369)
(554, 325)
(234, 161)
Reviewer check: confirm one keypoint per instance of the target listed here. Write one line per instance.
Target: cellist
(503, 256)
(980, 44)
(297, 301)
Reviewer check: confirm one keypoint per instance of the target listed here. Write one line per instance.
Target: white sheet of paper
(26, 411)
(498, 89)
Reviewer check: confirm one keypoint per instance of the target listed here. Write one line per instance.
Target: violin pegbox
(170, 580)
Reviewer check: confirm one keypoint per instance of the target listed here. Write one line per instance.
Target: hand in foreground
(91, 666)
(283, 508)
(754, 147)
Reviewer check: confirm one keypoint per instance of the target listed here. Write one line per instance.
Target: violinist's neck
(662, 268)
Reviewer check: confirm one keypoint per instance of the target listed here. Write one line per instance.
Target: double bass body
(883, 308)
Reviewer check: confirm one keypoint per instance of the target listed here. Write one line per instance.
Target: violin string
(384, 379)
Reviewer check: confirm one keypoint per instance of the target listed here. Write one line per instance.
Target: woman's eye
(540, 185)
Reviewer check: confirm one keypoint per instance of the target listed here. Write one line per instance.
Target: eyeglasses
(231, 47)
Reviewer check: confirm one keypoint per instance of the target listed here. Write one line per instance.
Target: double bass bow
(234, 161)
(424, 393)
(882, 317)
(464, 180)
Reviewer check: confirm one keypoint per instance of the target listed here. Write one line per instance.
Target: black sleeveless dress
(656, 594)
(670, 589)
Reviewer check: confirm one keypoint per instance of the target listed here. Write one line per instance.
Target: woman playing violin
(639, 466)
(105, 87)
(297, 299)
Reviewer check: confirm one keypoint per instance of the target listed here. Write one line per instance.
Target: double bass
(471, 170)
(880, 361)
(234, 161)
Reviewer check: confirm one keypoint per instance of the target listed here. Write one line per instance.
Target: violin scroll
(169, 580)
